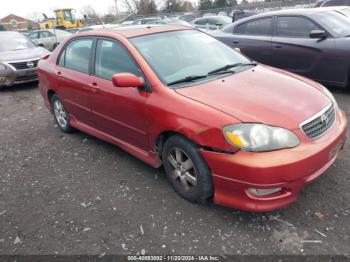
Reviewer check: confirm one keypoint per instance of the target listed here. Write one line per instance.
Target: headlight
(2, 67)
(260, 137)
(330, 96)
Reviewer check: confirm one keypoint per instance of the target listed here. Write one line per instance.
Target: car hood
(261, 95)
(20, 55)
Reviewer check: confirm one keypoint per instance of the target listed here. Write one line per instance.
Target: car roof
(138, 30)
(212, 16)
(335, 8)
(296, 11)
(10, 33)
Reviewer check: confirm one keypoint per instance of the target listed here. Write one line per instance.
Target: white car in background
(48, 38)
(97, 27)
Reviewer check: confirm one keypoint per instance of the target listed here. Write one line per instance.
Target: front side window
(77, 55)
(112, 58)
(179, 54)
(295, 27)
(257, 27)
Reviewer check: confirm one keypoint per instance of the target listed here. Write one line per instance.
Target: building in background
(16, 23)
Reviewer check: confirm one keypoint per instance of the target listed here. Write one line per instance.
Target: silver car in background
(19, 58)
(49, 38)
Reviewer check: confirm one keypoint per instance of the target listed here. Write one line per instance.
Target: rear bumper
(289, 169)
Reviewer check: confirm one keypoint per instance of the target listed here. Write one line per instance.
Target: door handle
(235, 42)
(277, 46)
(94, 88)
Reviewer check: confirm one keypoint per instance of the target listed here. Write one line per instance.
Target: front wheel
(186, 170)
(60, 114)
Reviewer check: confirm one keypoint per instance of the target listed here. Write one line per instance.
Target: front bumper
(289, 169)
(11, 76)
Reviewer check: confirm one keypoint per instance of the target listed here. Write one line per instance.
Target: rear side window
(213, 21)
(256, 27)
(34, 35)
(77, 55)
(295, 27)
(112, 58)
(45, 34)
(201, 21)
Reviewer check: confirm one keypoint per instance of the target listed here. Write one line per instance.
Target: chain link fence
(241, 10)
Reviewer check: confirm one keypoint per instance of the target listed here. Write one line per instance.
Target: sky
(32, 8)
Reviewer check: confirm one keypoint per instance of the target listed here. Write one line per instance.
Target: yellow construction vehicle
(65, 18)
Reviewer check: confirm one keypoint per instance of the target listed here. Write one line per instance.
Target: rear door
(254, 39)
(47, 38)
(295, 51)
(73, 79)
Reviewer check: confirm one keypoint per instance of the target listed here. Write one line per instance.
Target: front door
(119, 112)
(295, 51)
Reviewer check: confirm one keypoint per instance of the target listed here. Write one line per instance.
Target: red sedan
(247, 135)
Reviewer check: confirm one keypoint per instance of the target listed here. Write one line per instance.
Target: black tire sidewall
(204, 187)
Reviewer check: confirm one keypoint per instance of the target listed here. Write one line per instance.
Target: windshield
(338, 25)
(14, 41)
(179, 54)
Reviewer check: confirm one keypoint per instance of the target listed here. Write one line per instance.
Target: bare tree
(89, 11)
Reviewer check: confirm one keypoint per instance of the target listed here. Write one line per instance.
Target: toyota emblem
(30, 64)
(324, 119)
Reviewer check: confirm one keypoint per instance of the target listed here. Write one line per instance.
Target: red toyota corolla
(248, 135)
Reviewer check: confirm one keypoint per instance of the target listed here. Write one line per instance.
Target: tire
(54, 46)
(192, 183)
(60, 27)
(60, 114)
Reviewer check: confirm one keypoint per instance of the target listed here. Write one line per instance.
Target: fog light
(263, 192)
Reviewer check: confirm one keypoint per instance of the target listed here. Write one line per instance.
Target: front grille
(26, 78)
(24, 65)
(320, 123)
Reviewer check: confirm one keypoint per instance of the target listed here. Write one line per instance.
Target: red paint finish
(134, 119)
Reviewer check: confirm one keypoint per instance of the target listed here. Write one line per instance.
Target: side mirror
(127, 80)
(319, 34)
(40, 44)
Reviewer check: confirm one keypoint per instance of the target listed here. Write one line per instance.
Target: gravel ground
(75, 194)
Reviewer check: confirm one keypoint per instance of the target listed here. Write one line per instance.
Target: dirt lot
(74, 194)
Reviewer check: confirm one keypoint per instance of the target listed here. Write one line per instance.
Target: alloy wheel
(60, 114)
(183, 171)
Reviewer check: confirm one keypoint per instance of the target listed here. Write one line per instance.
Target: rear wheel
(186, 170)
(54, 46)
(60, 114)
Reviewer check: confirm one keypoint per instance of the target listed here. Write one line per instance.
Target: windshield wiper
(229, 66)
(187, 79)
(221, 70)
